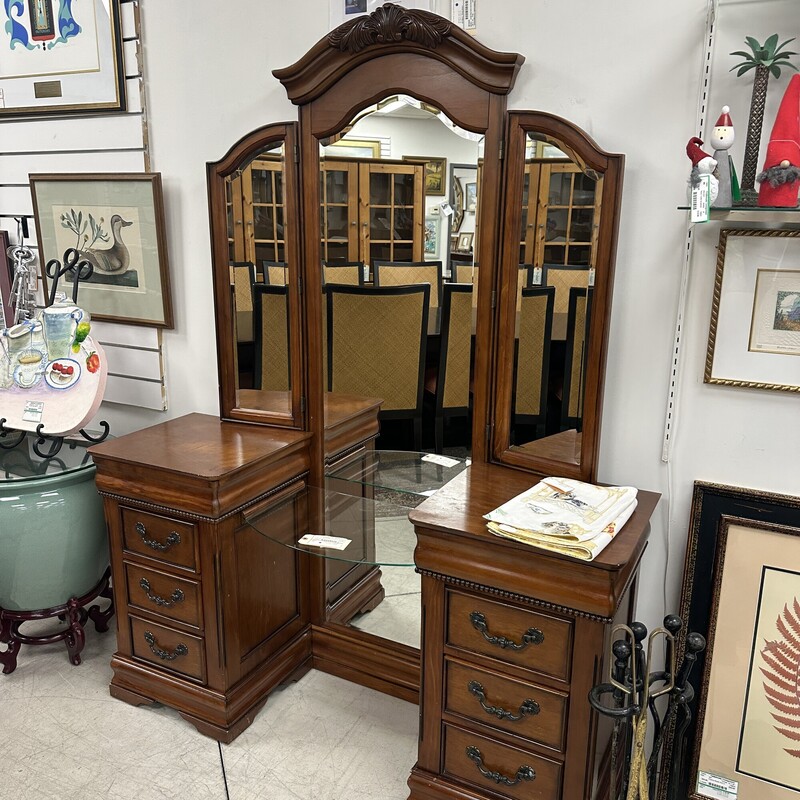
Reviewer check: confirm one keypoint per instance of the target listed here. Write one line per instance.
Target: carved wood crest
(390, 23)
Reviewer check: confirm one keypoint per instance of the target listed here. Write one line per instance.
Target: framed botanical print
(754, 335)
(116, 223)
(741, 590)
(60, 57)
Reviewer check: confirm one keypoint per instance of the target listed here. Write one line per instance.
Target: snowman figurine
(702, 164)
(722, 138)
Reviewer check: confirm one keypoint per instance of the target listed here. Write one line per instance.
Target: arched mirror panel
(255, 244)
(561, 215)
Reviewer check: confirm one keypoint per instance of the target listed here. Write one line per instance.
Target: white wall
(629, 74)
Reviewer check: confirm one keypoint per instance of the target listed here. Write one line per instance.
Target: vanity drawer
(524, 709)
(169, 540)
(515, 635)
(499, 768)
(160, 593)
(167, 648)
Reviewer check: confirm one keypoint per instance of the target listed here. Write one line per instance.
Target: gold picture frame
(754, 332)
(63, 60)
(435, 173)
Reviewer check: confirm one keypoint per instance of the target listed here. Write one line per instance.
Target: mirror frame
(217, 173)
(582, 150)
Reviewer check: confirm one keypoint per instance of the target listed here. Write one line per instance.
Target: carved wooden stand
(73, 611)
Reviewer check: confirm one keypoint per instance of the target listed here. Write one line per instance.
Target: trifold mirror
(406, 187)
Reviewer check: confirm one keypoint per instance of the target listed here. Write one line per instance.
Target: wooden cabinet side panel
(113, 515)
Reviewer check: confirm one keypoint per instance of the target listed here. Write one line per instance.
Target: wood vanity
(212, 616)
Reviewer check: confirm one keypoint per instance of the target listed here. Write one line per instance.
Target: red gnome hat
(694, 152)
(780, 180)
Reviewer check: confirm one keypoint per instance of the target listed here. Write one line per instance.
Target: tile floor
(63, 737)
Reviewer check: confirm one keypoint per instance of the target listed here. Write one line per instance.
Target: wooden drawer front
(515, 635)
(508, 771)
(164, 594)
(168, 648)
(524, 709)
(169, 540)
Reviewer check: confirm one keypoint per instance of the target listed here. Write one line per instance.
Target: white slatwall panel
(94, 143)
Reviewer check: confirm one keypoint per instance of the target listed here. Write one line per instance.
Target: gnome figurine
(702, 164)
(780, 180)
(722, 137)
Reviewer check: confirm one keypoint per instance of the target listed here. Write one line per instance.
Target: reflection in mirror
(557, 258)
(393, 329)
(258, 277)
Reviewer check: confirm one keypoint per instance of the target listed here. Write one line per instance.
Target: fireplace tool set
(629, 698)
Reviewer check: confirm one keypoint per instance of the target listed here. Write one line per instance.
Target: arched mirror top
(561, 216)
(255, 249)
(396, 31)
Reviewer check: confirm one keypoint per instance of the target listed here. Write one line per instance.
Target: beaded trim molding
(531, 601)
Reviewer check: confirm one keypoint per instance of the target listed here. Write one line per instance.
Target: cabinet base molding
(366, 595)
(394, 671)
(222, 716)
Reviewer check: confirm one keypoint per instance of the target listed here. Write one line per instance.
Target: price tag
(329, 542)
(33, 411)
(442, 461)
(463, 14)
(701, 202)
(716, 787)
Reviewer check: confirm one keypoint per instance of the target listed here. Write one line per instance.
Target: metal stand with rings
(633, 689)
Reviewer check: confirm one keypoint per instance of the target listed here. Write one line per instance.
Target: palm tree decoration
(766, 59)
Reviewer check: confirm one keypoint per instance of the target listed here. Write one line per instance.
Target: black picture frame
(713, 505)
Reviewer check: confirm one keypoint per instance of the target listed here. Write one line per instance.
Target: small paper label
(447, 209)
(442, 461)
(701, 205)
(33, 411)
(2, 99)
(329, 542)
(463, 13)
(717, 787)
(537, 276)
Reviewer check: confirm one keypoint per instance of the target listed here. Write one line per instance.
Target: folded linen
(565, 516)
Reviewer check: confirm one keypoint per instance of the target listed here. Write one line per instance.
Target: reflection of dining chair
(451, 381)
(271, 328)
(274, 273)
(350, 273)
(523, 280)
(466, 273)
(578, 318)
(563, 278)
(531, 371)
(376, 346)
(243, 276)
(406, 273)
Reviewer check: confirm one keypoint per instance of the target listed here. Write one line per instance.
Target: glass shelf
(753, 213)
(366, 502)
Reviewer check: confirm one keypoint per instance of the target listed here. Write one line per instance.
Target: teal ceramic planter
(53, 541)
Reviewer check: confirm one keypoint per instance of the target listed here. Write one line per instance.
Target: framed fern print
(741, 590)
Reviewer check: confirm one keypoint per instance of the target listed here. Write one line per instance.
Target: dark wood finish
(217, 173)
(565, 606)
(610, 166)
(190, 479)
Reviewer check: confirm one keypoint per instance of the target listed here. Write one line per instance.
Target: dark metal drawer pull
(528, 706)
(531, 636)
(176, 596)
(173, 538)
(164, 655)
(524, 773)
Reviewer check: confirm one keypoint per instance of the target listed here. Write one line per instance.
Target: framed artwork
(754, 335)
(60, 57)
(471, 197)
(741, 590)
(6, 311)
(344, 10)
(116, 222)
(435, 173)
(465, 242)
(458, 204)
(354, 148)
(431, 246)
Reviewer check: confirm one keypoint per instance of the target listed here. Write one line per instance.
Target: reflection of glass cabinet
(371, 210)
(560, 212)
(255, 212)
